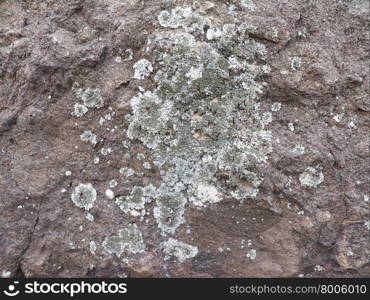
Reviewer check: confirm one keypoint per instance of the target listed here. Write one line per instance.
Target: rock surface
(222, 138)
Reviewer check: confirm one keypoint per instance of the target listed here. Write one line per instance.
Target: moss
(84, 196)
(128, 239)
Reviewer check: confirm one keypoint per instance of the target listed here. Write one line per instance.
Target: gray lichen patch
(169, 212)
(84, 196)
(178, 249)
(128, 239)
(79, 110)
(135, 202)
(202, 122)
(142, 69)
(88, 136)
(311, 177)
(90, 97)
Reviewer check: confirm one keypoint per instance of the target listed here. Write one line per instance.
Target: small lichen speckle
(109, 194)
(129, 239)
(252, 254)
(298, 150)
(248, 4)
(127, 172)
(88, 136)
(93, 247)
(79, 110)
(84, 196)
(90, 217)
(142, 68)
(180, 250)
(275, 106)
(311, 177)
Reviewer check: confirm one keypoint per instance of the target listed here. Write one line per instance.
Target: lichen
(142, 68)
(88, 136)
(135, 202)
(202, 122)
(178, 249)
(128, 239)
(311, 177)
(84, 196)
(90, 97)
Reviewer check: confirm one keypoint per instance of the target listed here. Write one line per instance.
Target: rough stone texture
(310, 216)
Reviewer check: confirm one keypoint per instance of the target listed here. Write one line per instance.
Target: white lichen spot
(291, 126)
(276, 106)
(318, 268)
(93, 247)
(96, 160)
(351, 125)
(5, 274)
(68, 173)
(105, 151)
(366, 198)
(205, 194)
(349, 253)
(213, 33)
(79, 110)
(90, 217)
(311, 177)
(109, 194)
(140, 156)
(298, 150)
(367, 224)
(127, 172)
(248, 4)
(142, 68)
(130, 54)
(147, 165)
(195, 73)
(295, 63)
(252, 254)
(178, 249)
(84, 196)
(88, 136)
(337, 118)
(113, 183)
(118, 59)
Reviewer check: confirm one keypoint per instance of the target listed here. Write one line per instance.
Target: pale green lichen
(178, 249)
(248, 4)
(84, 196)
(127, 172)
(128, 239)
(88, 136)
(135, 202)
(311, 177)
(90, 97)
(202, 122)
(79, 110)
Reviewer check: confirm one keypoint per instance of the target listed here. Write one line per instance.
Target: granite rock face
(224, 138)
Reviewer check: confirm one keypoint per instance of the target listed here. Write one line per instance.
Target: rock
(201, 139)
